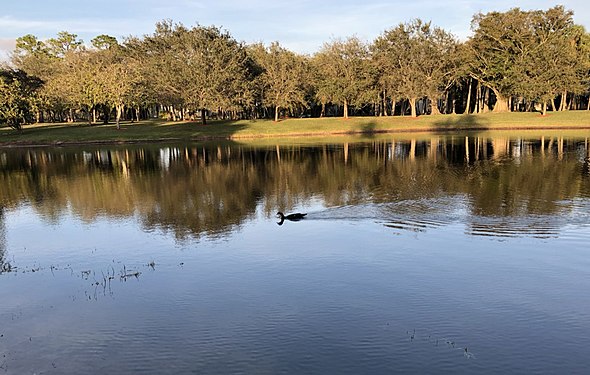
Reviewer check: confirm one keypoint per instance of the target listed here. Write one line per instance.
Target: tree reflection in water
(510, 185)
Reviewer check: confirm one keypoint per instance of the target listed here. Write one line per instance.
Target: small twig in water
(450, 343)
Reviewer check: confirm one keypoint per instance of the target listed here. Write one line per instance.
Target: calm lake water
(448, 254)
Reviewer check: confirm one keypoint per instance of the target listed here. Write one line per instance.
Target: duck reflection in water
(291, 217)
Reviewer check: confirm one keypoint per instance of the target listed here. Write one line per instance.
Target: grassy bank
(153, 131)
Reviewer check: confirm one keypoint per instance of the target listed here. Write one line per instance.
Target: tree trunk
(204, 116)
(553, 108)
(467, 107)
(413, 106)
(501, 103)
(529, 106)
(94, 114)
(434, 107)
(484, 105)
(544, 106)
(119, 109)
(277, 113)
(345, 108)
(477, 98)
(378, 106)
(563, 105)
(107, 113)
(173, 113)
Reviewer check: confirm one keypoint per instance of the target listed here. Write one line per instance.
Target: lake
(434, 254)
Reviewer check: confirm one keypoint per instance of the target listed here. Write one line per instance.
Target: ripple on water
(428, 213)
(513, 227)
(570, 222)
(413, 215)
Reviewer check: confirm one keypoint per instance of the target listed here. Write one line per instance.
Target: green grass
(155, 131)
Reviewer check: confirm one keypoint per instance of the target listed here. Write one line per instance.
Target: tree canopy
(517, 60)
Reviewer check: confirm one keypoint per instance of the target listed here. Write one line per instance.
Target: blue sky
(298, 25)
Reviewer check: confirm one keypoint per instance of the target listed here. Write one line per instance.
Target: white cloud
(302, 25)
(82, 27)
(7, 44)
(6, 47)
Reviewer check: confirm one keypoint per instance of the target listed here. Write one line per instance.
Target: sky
(300, 25)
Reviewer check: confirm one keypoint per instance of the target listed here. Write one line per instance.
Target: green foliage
(64, 43)
(198, 68)
(521, 56)
(283, 81)
(30, 44)
(343, 72)
(534, 54)
(33, 56)
(497, 44)
(17, 91)
(416, 60)
(558, 59)
(104, 42)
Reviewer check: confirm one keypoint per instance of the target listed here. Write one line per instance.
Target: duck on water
(291, 217)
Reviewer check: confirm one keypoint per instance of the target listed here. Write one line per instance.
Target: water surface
(462, 254)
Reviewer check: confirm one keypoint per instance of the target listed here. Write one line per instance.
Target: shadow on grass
(369, 129)
(462, 122)
(143, 131)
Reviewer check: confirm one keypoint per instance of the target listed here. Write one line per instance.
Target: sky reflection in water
(136, 260)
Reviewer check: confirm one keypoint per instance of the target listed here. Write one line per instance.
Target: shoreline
(224, 131)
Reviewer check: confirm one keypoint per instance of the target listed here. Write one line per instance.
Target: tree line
(516, 60)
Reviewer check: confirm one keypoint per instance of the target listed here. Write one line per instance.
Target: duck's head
(280, 215)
